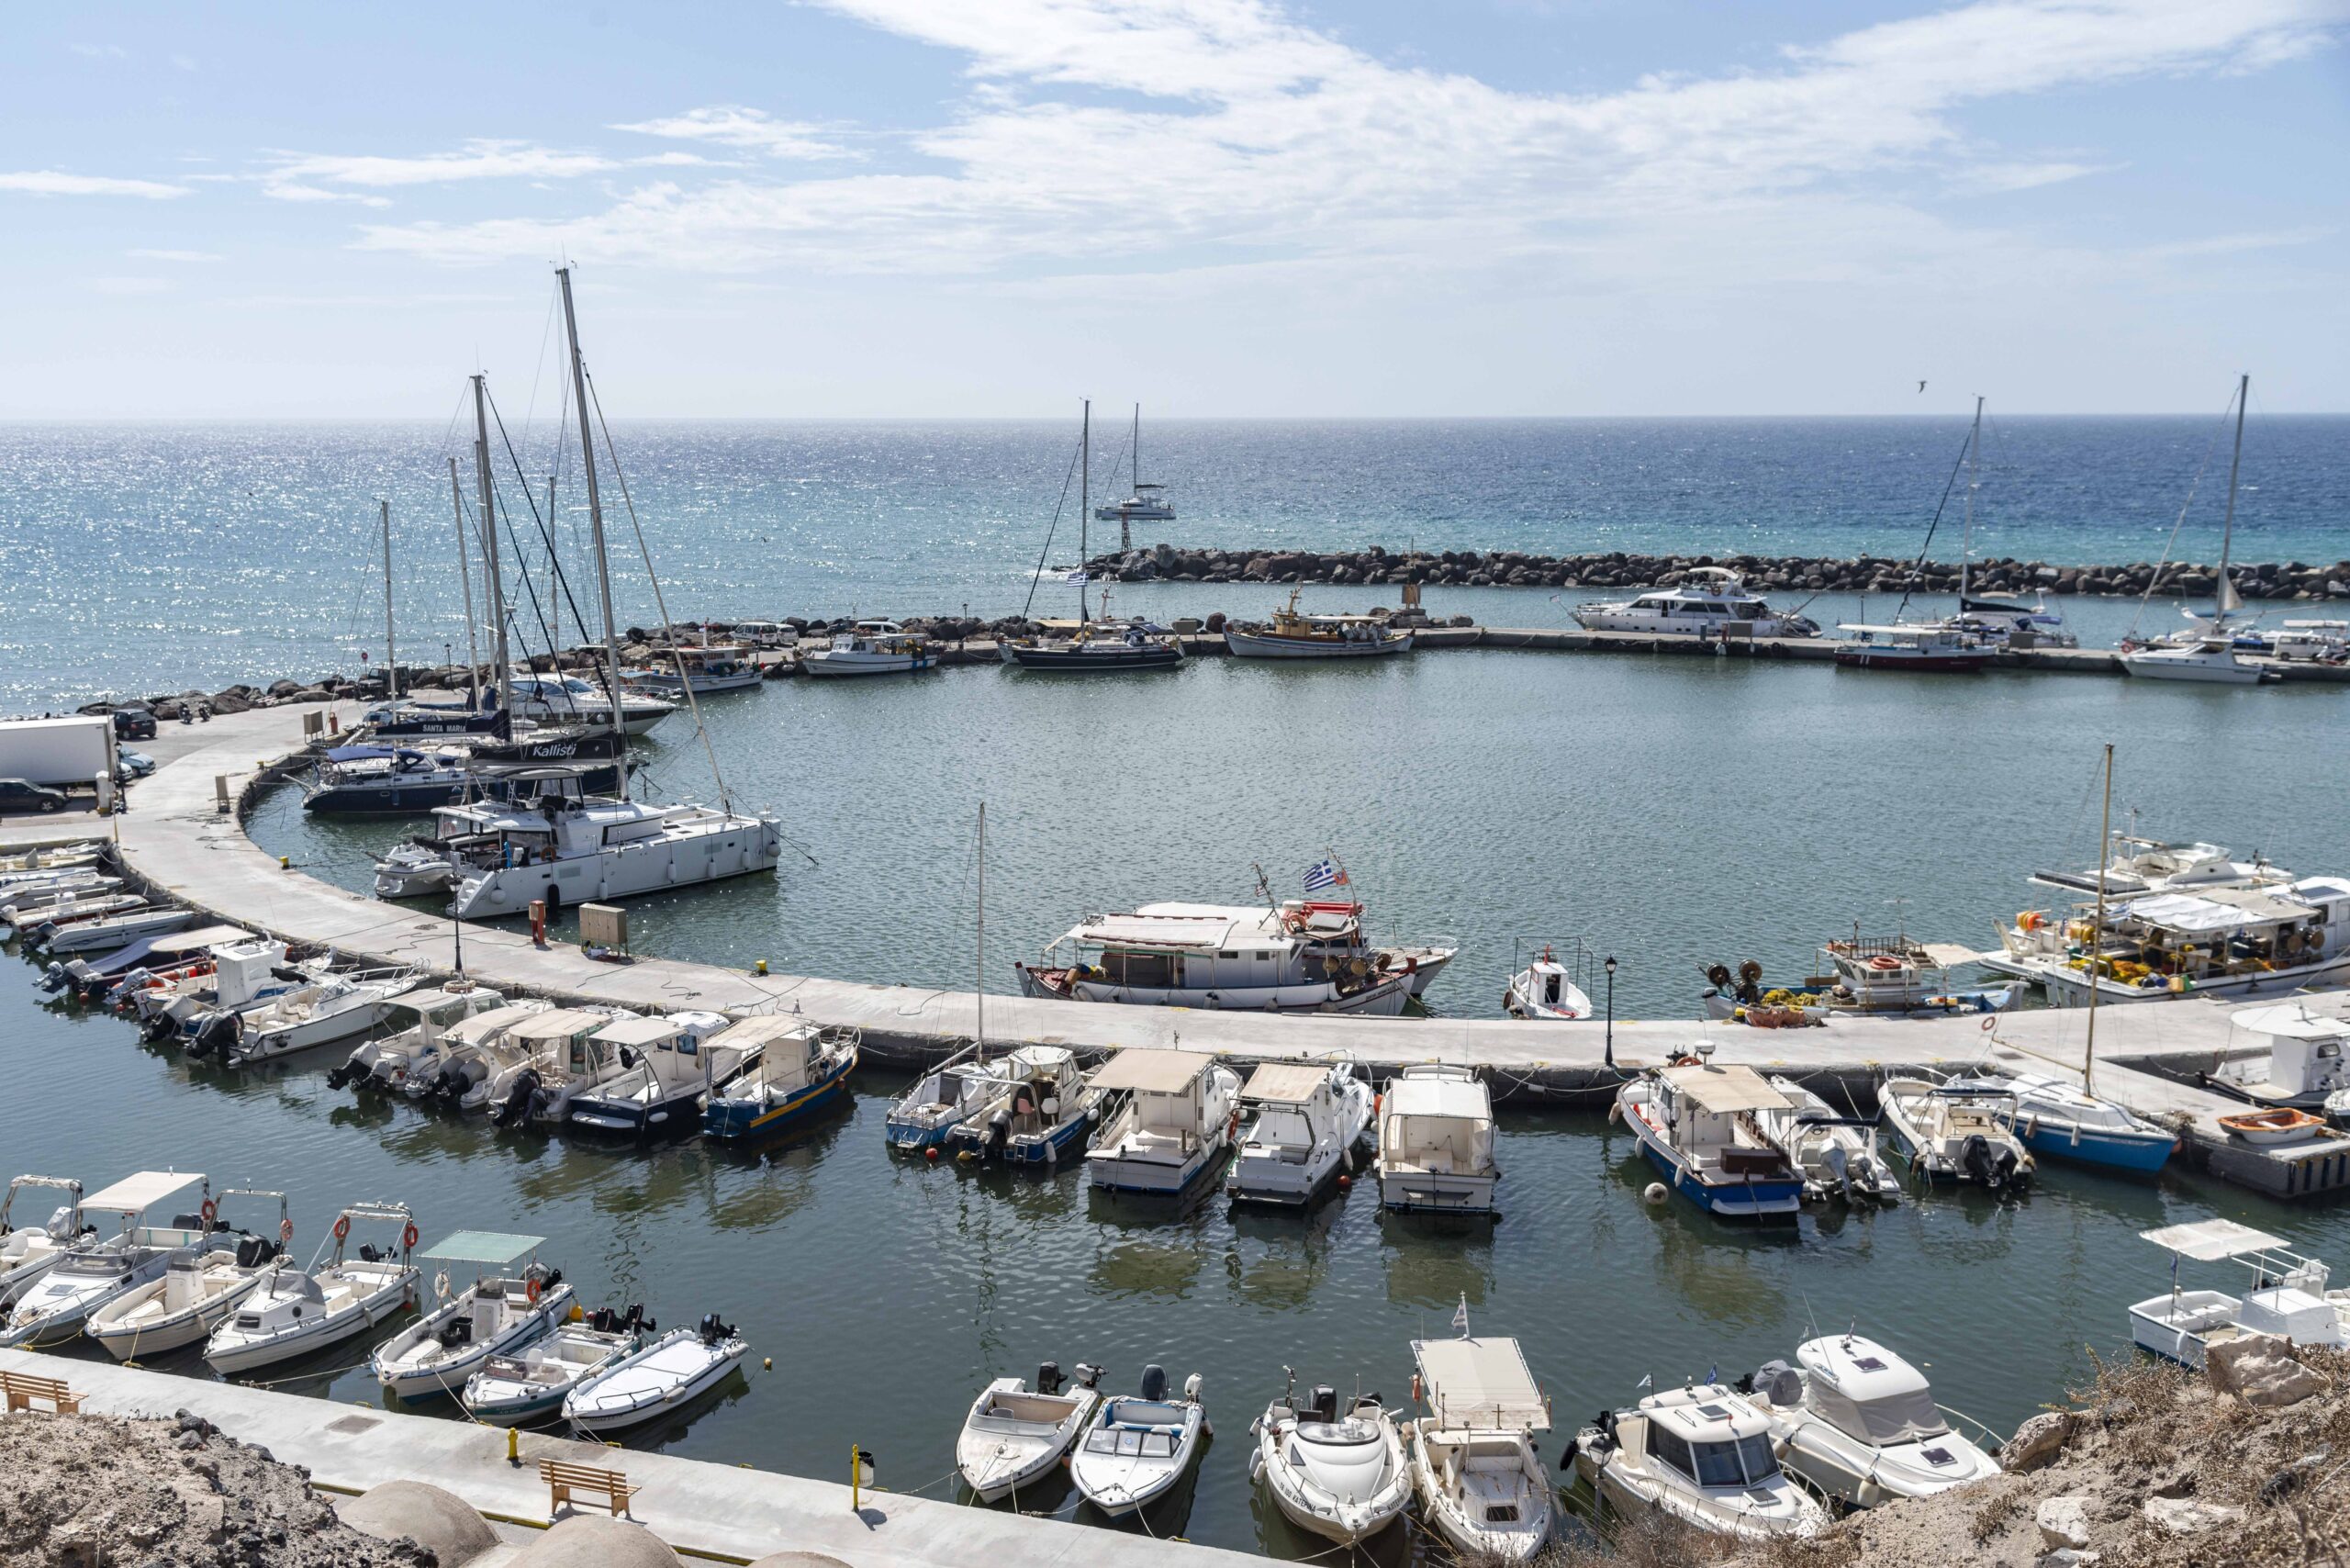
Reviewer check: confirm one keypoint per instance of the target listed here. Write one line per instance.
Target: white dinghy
(1303, 1122)
(1342, 1477)
(1701, 1455)
(56, 1306)
(201, 1285)
(1861, 1425)
(1481, 1485)
(531, 1384)
(296, 1312)
(1836, 1156)
(504, 1309)
(1959, 1130)
(657, 1381)
(1135, 1451)
(1015, 1435)
(28, 1251)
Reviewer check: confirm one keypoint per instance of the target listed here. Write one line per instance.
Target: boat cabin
(1706, 1437)
(1708, 1115)
(561, 1039)
(1902, 639)
(2301, 1055)
(1198, 946)
(788, 1050)
(1291, 1109)
(1436, 1119)
(1166, 1100)
(1867, 1392)
(484, 1028)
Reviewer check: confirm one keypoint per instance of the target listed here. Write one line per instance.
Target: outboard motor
(52, 976)
(343, 1075)
(999, 1131)
(1154, 1382)
(1048, 1377)
(1324, 1405)
(252, 1252)
(516, 1105)
(712, 1330)
(1778, 1382)
(159, 1028)
(1088, 1375)
(1975, 1158)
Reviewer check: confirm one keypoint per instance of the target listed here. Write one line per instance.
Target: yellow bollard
(760, 968)
(514, 1446)
(285, 862)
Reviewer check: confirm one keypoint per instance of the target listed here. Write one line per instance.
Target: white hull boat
(2206, 663)
(2289, 1298)
(409, 1059)
(200, 1287)
(54, 1304)
(1711, 603)
(334, 1009)
(1342, 1477)
(26, 1252)
(1014, 1435)
(871, 648)
(115, 931)
(1134, 1451)
(295, 1313)
(1951, 1131)
(1436, 1142)
(1700, 1455)
(551, 1056)
(1545, 989)
(656, 1381)
(1177, 1120)
(1302, 1124)
(1836, 1156)
(1860, 1425)
(439, 1352)
(1481, 1485)
(530, 1382)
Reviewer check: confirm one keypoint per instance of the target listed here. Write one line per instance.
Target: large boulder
(2038, 1441)
(440, 1521)
(2063, 1521)
(2260, 1369)
(592, 1541)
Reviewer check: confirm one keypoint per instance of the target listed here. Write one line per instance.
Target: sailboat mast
(981, 994)
(2228, 528)
(1134, 448)
(2096, 932)
(486, 508)
(466, 578)
(391, 653)
(595, 505)
(1084, 501)
(1974, 481)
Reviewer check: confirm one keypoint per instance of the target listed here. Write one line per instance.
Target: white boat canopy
(1481, 1384)
(1183, 928)
(1723, 1090)
(561, 1024)
(635, 1031)
(763, 1030)
(488, 1025)
(2220, 909)
(2292, 1020)
(1949, 955)
(2212, 1240)
(1456, 1099)
(1146, 1070)
(490, 1247)
(135, 1194)
(1285, 1082)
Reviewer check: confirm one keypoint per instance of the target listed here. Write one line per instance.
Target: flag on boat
(1328, 874)
(1647, 1381)
(1713, 1374)
(1078, 577)
(1460, 1318)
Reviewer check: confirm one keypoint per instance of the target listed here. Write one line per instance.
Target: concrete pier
(178, 842)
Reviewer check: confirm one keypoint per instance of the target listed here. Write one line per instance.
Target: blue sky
(990, 207)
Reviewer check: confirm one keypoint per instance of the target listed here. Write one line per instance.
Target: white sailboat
(2207, 654)
(1148, 504)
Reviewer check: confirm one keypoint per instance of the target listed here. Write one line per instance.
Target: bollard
(760, 968)
(514, 1446)
(538, 923)
(285, 862)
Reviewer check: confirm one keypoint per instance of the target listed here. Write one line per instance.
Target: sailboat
(1148, 503)
(1951, 646)
(2004, 619)
(959, 1089)
(2208, 653)
(1086, 643)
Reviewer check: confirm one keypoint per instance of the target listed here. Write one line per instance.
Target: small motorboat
(1301, 1123)
(1042, 1112)
(551, 1056)
(794, 1071)
(661, 1076)
(1837, 1156)
(1341, 1476)
(530, 1382)
(1860, 1424)
(1701, 1455)
(1135, 1451)
(1545, 988)
(108, 932)
(1015, 1435)
(28, 1251)
(409, 1058)
(201, 1285)
(656, 1380)
(2273, 1127)
(503, 1310)
(2289, 1298)
(333, 1008)
(55, 1304)
(1480, 1487)
(296, 1312)
(1702, 1127)
(940, 1100)
(1436, 1142)
(870, 647)
(471, 1055)
(1957, 1130)
(1175, 1125)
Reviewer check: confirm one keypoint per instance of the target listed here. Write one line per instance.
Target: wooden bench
(563, 1479)
(22, 1388)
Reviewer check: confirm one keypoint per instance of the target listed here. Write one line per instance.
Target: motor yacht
(1702, 1127)
(1175, 1118)
(1300, 1125)
(1016, 1436)
(1860, 1426)
(1480, 1487)
(1342, 1475)
(1702, 1455)
(1436, 1141)
(1710, 601)
(869, 647)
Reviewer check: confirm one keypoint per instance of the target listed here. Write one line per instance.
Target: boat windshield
(1743, 1462)
(1130, 1443)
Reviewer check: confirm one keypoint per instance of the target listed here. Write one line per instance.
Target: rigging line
(562, 580)
(2210, 447)
(1948, 485)
(1043, 553)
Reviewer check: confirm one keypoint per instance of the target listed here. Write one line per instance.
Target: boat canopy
(1187, 927)
(1949, 955)
(2292, 1020)
(135, 1194)
(747, 1034)
(1455, 1098)
(558, 1024)
(2212, 1240)
(2219, 909)
(1723, 1090)
(490, 1247)
(1481, 1384)
(1146, 1071)
(484, 1027)
(635, 1031)
(1285, 1082)
(1861, 1387)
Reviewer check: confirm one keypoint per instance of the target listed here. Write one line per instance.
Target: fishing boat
(870, 647)
(408, 1059)
(330, 1009)
(1702, 1125)
(295, 1312)
(925, 1116)
(1480, 1487)
(1174, 1122)
(1095, 647)
(1148, 503)
(707, 668)
(1343, 1476)
(28, 1251)
(2208, 654)
(1016, 1436)
(501, 1312)
(1436, 1142)
(1134, 1451)
(1300, 1125)
(530, 1382)
(1836, 1156)
(2216, 941)
(552, 1056)
(1956, 1130)
(665, 1068)
(201, 1285)
(1546, 988)
(1926, 648)
(1700, 1455)
(657, 1381)
(1041, 1110)
(796, 1071)
(1882, 976)
(2289, 1298)
(1709, 601)
(54, 1304)
(1291, 634)
(1860, 1425)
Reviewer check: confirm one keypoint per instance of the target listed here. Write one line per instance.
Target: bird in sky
(1921, 387)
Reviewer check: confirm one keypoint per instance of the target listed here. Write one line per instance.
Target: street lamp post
(1611, 1013)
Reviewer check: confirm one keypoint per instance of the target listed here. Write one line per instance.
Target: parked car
(18, 795)
(134, 724)
(134, 764)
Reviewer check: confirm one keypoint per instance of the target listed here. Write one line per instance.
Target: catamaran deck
(179, 842)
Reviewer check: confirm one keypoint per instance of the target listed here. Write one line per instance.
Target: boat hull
(2191, 668)
(1924, 664)
(176, 1332)
(2140, 1153)
(1153, 656)
(626, 872)
(1266, 645)
(1426, 1191)
(238, 1355)
(731, 1118)
(827, 662)
(1743, 1199)
(449, 1375)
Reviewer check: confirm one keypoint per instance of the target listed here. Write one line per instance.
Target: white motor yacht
(657, 1381)
(1135, 1451)
(1176, 1122)
(2289, 1298)
(530, 1382)
(553, 1055)
(1956, 1130)
(1702, 1455)
(409, 1057)
(296, 1312)
(1300, 1125)
(1015, 1436)
(1481, 1485)
(1710, 601)
(1436, 1141)
(1837, 1156)
(870, 647)
(1342, 1477)
(2205, 659)
(201, 1285)
(503, 1310)
(27, 1251)
(1861, 1425)
(559, 698)
(55, 1304)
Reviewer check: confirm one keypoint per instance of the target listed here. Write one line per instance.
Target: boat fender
(1656, 1193)
(285, 1234)
(1416, 1388)
(1614, 1113)
(342, 1228)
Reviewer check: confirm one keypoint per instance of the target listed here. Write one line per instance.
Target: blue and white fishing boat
(1040, 1112)
(926, 1115)
(2063, 1121)
(801, 1071)
(1698, 1124)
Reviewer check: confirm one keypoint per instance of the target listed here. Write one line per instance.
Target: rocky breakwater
(1621, 569)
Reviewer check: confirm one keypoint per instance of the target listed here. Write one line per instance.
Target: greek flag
(1079, 576)
(1324, 875)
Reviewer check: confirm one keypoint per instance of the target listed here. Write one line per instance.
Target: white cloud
(294, 190)
(127, 286)
(177, 255)
(50, 182)
(1995, 178)
(731, 125)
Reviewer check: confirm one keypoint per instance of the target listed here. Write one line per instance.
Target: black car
(18, 795)
(134, 724)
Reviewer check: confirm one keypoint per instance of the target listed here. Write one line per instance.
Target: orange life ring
(210, 1211)
(1885, 961)
(342, 1228)
(531, 1289)
(408, 1237)
(285, 1233)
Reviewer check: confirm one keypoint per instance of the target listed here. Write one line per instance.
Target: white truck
(70, 752)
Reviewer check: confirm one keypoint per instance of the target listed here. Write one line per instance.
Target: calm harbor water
(198, 554)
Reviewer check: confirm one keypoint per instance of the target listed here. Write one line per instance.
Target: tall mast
(982, 1042)
(465, 577)
(391, 654)
(1084, 502)
(595, 505)
(1134, 448)
(1973, 480)
(485, 509)
(2097, 933)
(2228, 528)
